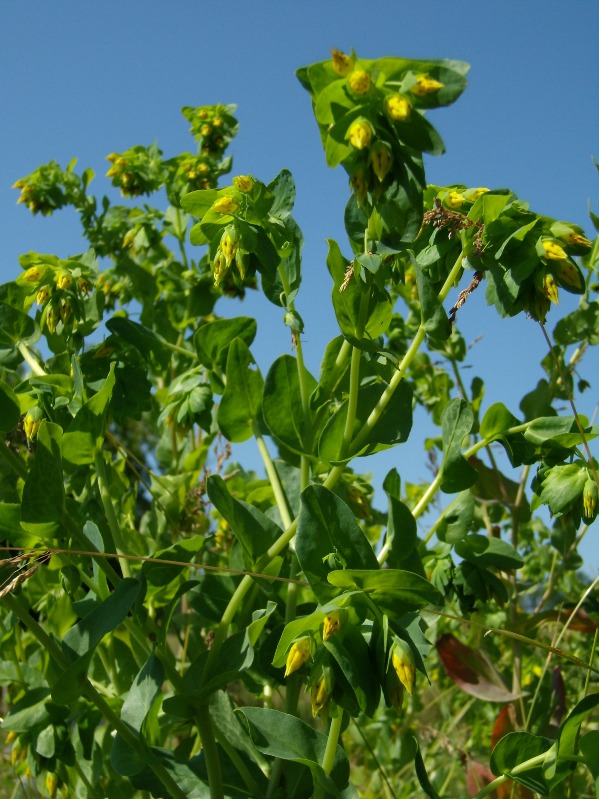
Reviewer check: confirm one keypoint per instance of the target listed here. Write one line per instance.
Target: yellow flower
(402, 660)
(34, 273)
(398, 108)
(359, 81)
(206, 130)
(32, 422)
(359, 183)
(360, 133)
(43, 295)
(228, 244)
(321, 691)
(65, 312)
(589, 498)
(226, 205)
(381, 159)
(64, 281)
(550, 288)
(52, 318)
(219, 267)
(553, 251)
(454, 199)
(568, 275)
(51, 784)
(341, 62)
(244, 183)
(425, 85)
(331, 624)
(577, 240)
(298, 655)
(473, 194)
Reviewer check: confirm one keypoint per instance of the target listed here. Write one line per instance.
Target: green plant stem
(520, 769)
(29, 359)
(354, 378)
(109, 510)
(329, 752)
(273, 478)
(206, 730)
(95, 698)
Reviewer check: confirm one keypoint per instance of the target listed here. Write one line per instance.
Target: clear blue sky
(87, 78)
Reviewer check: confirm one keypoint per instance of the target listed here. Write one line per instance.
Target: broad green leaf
(283, 189)
(10, 410)
(70, 684)
(423, 779)
(497, 420)
(45, 744)
(361, 325)
(353, 658)
(282, 405)
(589, 747)
(329, 537)
(457, 518)
(332, 373)
(434, 317)
(145, 688)
(517, 748)
(486, 551)
(241, 404)
(198, 202)
(255, 531)
(161, 574)
(563, 485)
(392, 427)
(549, 427)
(104, 618)
(43, 501)
(28, 712)
(457, 421)
(401, 531)
(229, 726)
(284, 736)
(149, 344)
(568, 735)
(85, 435)
(212, 340)
(394, 591)
(15, 326)
(472, 670)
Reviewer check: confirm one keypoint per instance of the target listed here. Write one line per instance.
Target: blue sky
(87, 78)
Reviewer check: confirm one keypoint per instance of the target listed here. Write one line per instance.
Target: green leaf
(10, 410)
(457, 420)
(562, 486)
(85, 435)
(255, 531)
(497, 420)
(15, 326)
(516, 748)
(43, 500)
(104, 618)
(457, 518)
(284, 736)
(434, 317)
(589, 747)
(150, 345)
(423, 779)
(567, 741)
(394, 591)
(329, 537)
(70, 684)
(393, 426)
(241, 404)
(282, 405)
(212, 340)
(486, 551)
(353, 658)
(144, 690)
(546, 428)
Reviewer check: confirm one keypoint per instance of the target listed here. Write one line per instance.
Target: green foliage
(163, 606)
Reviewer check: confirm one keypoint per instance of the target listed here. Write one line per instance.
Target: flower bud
(473, 194)
(64, 281)
(34, 273)
(589, 498)
(425, 85)
(51, 784)
(52, 318)
(394, 690)
(228, 244)
(360, 133)
(298, 655)
(402, 660)
(321, 691)
(331, 624)
(359, 183)
(553, 251)
(381, 158)
(244, 183)
(568, 275)
(550, 288)
(65, 312)
(578, 240)
(359, 81)
(219, 267)
(454, 199)
(43, 295)
(398, 108)
(32, 422)
(341, 63)
(206, 130)
(226, 205)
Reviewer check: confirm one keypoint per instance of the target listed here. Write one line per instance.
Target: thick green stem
(273, 478)
(329, 752)
(28, 357)
(109, 510)
(206, 730)
(520, 769)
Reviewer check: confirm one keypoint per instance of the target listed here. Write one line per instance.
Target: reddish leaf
(506, 722)
(472, 671)
(478, 776)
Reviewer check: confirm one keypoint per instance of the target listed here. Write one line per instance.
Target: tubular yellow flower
(360, 133)
(321, 691)
(32, 422)
(359, 183)
(298, 655)
(381, 158)
(577, 240)
(65, 312)
(402, 660)
(43, 295)
(426, 85)
(34, 273)
(228, 244)
(52, 318)
(568, 275)
(550, 288)
(51, 784)
(206, 130)
(219, 267)
(64, 281)
(226, 205)
(359, 81)
(473, 194)
(398, 108)
(553, 251)
(455, 199)
(341, 63)
(243, 182)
